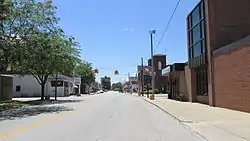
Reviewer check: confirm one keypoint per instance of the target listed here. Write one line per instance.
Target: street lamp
(152, 32)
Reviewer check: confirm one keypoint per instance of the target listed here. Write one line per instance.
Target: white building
(27, 86)
(134, 84)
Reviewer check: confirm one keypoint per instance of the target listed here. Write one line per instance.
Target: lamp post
(152, 32)
(142, 77)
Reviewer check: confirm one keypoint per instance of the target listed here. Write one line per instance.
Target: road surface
(108, 117)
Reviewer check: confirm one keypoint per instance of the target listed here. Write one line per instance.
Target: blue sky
(114, 34)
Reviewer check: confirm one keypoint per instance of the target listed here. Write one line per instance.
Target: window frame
(18, 88)
(202, 31)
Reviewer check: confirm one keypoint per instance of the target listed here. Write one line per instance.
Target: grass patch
(11, 104)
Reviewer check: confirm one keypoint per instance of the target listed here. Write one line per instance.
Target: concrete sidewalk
(212, 123)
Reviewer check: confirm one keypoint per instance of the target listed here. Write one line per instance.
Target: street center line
(25, 128)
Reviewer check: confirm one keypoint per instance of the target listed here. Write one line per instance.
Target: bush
(183, 97)
(157, 91)
(150, 91)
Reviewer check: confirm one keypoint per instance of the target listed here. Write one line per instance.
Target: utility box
(6, 85)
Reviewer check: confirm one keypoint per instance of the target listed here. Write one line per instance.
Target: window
(189, 21)
(159, 65)
(197, 31)
(59, 83)
(196, 34)
(203, 46)
(196, 15)
(202, 25)
(202, 81)
(191, 53)
(197, 49)
(202, 9)
(66, 84)
(18, 88)
(190, 38)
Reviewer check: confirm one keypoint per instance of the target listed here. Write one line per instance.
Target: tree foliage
(106, 83)
(117, 86)
(23, 19)
(33, 43)
(85, 71)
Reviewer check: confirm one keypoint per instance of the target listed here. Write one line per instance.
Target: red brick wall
(159, 79)
(232, 79)
(226, 21)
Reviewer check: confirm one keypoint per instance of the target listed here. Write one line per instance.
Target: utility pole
(56, 86)
(130, 84)
(152, 32)
(142, 77)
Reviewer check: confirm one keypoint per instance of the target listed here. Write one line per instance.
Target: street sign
(77, 80)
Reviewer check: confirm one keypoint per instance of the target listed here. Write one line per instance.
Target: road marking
(25, 128)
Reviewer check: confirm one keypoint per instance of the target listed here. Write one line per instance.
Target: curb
(177, 119)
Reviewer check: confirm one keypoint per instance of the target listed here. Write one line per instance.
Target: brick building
(159, 65)
(160, 81)
(176, 81)
(218, 34)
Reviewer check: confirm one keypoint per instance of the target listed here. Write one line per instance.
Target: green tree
(85, 71)
(50, 55)
(96, 87)
(117, 86)
(106, 83)
(5, 6)
(44, 49)
(20, 20)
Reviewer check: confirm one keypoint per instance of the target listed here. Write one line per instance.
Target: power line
(163, 34)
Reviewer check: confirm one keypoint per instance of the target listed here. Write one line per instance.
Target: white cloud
(130, 30)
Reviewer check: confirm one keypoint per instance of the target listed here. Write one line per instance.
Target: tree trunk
(42, 90)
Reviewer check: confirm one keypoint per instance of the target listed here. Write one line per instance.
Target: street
(110, 116)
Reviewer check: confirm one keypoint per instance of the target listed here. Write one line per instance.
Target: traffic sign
(77, 80)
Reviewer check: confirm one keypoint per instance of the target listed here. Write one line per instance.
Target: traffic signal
(96, 71)
(116, 72)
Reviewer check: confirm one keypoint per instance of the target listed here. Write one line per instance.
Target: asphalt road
(107, 117)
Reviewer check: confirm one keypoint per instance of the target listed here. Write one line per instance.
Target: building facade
(144, 78)
(198, 53)
(27, 86)
(176, 81)
(159, 65)
(134, 84)
(211, 26)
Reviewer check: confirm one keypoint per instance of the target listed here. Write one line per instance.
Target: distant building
(159, 65)
(134, 83)
(176, 81)
(27, 86)
(146, 78)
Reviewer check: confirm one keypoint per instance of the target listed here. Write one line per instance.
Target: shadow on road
(27, 111)
(14, 104)
(48, 102)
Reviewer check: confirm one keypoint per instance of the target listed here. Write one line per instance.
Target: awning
(74, 85)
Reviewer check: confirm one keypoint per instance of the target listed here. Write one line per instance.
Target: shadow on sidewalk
(11, 110)
(14, 104)
(48, 102)
(23, 112)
